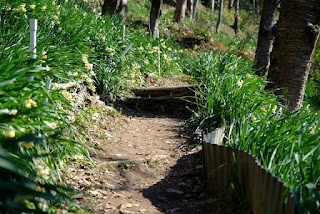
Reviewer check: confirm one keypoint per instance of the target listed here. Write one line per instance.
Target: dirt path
(145, 166)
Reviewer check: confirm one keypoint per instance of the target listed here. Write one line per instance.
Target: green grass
(39, 98)
(39, 116)
(287, 144)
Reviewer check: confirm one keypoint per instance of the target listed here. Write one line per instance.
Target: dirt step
(166, 92)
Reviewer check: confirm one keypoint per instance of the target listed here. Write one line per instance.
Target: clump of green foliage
(39, 100)
(287, 144)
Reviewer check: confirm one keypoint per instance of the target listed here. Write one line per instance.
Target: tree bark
(194, 11)
(297, 34)
(265, 36)
(257, 9)
(211, 4)
(236, 17)
(220, 16)
(190, 8)
(230, 4)
(155, 13)
(115, 7)
(180, 11)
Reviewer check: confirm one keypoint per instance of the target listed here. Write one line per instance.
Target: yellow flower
(32, 7)
(22, 130)
(92, 73)
(90, 81)
(44, 57)
(253, 118)
(11, 134)
(28, 105)
(28, 145)
(29, 101)
(8, 8)
(75, 74)
(76, 6)
(88, 66)
(57, 22)
(313, 130)
(55, 18)
(263, 109)
(240, 83)
(13, 112)
(51, 125)
(43, 8)
(34, 104)
(84, 76)
(58, 7)
(92, 88)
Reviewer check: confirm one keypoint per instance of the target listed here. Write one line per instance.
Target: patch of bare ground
(144, 164)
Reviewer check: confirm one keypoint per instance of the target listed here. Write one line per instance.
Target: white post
(159, 60)
(123, 32)
(33, 37)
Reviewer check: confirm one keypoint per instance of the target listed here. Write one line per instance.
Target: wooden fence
(231, 171)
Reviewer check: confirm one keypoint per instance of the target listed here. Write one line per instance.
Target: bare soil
(145, 164)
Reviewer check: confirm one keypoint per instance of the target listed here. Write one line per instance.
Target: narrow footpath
(146, 164)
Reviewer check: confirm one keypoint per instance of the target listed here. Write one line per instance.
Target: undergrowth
(287, 144)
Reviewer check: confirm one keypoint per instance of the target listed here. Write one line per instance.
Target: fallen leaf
(123, 206)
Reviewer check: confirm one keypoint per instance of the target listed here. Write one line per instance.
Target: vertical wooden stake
(33, 38)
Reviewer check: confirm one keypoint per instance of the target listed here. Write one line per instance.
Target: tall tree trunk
(190, 8)
(155, 13)
(194, 11)
(230, 4)
(265, 36)
(297, 34)
(236, 18)
(257, 7)
(115, 7)
(220, 16)
(212, 4)
(109, 6)
(180, 11)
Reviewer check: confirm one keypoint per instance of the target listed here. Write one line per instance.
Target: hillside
(74, 137)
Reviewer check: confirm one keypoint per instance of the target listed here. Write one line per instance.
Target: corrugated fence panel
(224, 165)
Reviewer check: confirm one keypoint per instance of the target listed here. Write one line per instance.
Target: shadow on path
(182, 191)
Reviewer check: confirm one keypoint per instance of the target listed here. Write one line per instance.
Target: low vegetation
(78, 50)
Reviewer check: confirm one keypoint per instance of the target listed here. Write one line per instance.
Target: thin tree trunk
(115, 7)
(212, 4)
(194, 11)
(180, 11)
(109, 6)
(254, 5)
(155, 13)
(123, 7)
(236, 18)
(230, 4)
(265, 36)
(190, 8)
(257, 7)
(220, 16)
(297, 34)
